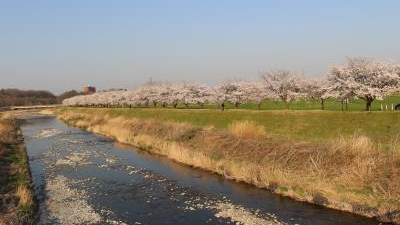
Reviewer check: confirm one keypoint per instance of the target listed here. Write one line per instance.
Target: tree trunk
(259, 105)
(284, 99)
(286, 105)
(322, 104)
(368, 103)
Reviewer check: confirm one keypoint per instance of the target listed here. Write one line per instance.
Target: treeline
(17, 97)
(358, 78)
(68, 94)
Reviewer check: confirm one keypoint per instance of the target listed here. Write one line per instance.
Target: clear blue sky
(62, 45)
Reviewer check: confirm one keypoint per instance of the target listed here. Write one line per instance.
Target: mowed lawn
(330, 104)
(383, 127)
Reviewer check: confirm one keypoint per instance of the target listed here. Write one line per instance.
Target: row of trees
(358, 78)
(68, 94)
(16, 97)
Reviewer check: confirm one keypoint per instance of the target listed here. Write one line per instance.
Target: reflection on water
(119, 184)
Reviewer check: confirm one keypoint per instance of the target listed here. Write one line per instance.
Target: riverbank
(17, 205)
(350, 173)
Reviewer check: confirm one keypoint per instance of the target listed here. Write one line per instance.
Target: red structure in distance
(89, 89)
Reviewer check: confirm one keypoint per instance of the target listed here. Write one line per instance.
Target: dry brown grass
(347, 173)
(247, 129)
(7, 134)
(46, 112)
(24, 195)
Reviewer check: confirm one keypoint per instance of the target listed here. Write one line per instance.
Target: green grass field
(304, 121)
(330, 104)
(305, 125)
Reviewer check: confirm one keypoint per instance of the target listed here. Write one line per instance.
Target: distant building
(89, 89)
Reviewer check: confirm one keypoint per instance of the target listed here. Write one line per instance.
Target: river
(83, 178)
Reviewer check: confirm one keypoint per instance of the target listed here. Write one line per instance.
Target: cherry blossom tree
(177, 93)
(196, 93)
(365, 79)
(317, 89)
(232, 91)
(257, 92)
(148, 94)
(284, 85)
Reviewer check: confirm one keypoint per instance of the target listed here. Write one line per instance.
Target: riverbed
(83, 178)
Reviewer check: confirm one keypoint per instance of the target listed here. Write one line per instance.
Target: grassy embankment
(343, 160)
(330, 104)
(17, 204)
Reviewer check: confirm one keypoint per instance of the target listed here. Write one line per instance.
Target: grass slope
(304, 125)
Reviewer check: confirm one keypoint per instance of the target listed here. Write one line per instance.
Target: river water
(83, 178)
